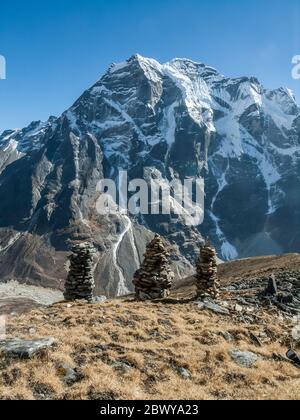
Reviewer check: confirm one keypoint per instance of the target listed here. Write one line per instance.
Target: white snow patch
(118, 66)
(274, 110)
(122, 288)
(196, 95)
(228, 251)
(72, 119)
(11, 242)
(169, 124)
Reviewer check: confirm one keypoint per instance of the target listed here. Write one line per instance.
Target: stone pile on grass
(207, 272)
(155, 278)
(80, 281)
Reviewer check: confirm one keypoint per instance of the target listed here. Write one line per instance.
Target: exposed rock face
(244, 358)
(80, 281)
(212, 306)
(160, 122)
(154, 279)
(207, 272)
(25, 349)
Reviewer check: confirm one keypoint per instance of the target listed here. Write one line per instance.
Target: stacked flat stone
(271, 289)
(207, 272)
(80, 281)
(155, 278)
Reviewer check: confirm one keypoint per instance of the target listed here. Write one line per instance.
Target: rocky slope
(161, 122)
(177, 348)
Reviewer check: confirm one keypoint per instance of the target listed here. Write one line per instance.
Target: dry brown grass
(155, 340)
(239, 270)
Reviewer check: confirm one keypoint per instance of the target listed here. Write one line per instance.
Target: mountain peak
(135, 59)
(188, 63)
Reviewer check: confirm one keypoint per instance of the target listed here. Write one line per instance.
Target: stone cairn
(207, 272)
(154, 279)
(271, 289)
(80, 281)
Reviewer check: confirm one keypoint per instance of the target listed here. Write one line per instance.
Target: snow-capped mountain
(160, 121)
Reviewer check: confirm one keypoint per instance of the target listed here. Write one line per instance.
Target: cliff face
(161, 122)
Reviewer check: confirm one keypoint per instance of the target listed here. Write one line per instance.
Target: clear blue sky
(57, 48)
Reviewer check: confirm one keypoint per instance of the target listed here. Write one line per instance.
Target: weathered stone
(296, 333)
(244, 358)
(68, 374)
(184, 373)
(255, 339)
(80, 281)
(99, 299)
(227, 336)
(121, 366)
(212, 306)
(294, 357)
(285, 298)
(271, 289)
(206, 277)
(154, 279)
(25, 349)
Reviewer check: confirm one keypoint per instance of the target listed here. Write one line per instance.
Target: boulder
(293, 357)
(212, 306)
(184, 373)
(68, 374)
(25, 349)
(271, 289)
(244, 358)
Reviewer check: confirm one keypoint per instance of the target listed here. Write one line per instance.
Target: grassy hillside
(121, 349)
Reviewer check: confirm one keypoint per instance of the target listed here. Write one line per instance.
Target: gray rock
(227, 336)
(143, 296)
(184, 373)
(285, 298)
(80, 284)
(99, 299)
(212, 306)
(294, 357)
(25, 349)
(121, 366)
(244, 358)
(68, 374)
(271, 289)
(255, 339)
(232, 288)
